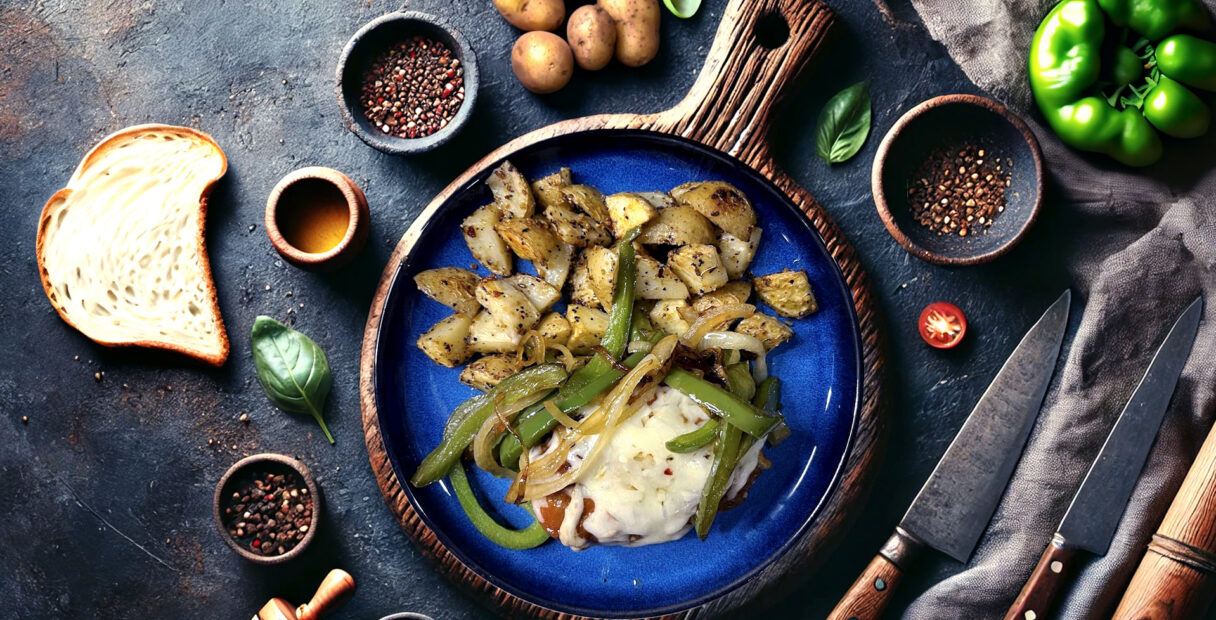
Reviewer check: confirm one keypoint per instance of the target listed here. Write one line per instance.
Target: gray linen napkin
(1144, 247)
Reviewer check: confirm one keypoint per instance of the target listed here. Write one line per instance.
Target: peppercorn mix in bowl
(958, 180)
(407, 82)
(267, 508)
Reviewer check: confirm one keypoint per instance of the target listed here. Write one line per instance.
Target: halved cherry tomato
(942, 325)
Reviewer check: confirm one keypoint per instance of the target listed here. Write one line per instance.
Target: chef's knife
(1098, 505)
(952, 510)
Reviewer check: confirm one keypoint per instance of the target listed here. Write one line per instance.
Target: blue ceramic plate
(820, 370)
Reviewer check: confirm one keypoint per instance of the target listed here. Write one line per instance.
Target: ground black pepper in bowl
(269, 513)
(413, 89)
(959, 190)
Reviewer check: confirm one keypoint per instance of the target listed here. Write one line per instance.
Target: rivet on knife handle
(868, 596)
(1054, 569)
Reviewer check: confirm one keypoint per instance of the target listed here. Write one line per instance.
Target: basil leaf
(682, 8)
(292, 369)
(844, 124)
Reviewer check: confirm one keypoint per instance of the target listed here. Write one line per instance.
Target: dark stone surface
(108, 487)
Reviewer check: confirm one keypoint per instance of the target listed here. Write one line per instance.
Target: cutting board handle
(748, 71)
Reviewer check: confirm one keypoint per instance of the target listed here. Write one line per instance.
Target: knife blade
(954, 506)
(1098, 506)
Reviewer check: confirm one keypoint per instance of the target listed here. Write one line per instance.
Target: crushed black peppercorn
(960, 190)
(413, 89)
(269, 513)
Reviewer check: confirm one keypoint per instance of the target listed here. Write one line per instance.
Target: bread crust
(200, 238)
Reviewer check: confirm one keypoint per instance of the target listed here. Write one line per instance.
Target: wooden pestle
(1177, 577)
(337, 586)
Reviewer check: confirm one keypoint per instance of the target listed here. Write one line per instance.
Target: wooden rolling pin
(1177, 577)
(337, 586)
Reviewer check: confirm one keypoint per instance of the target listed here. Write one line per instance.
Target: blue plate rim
(426, 220)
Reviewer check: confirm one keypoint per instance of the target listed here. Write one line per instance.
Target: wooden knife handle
(1055, 568)
(337, 586)
(870, 594)
(1177, 577)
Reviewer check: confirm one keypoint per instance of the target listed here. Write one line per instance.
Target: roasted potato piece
(660, 200)
(452, 287)
(699, 266)
(445, 342)
(558, 267)
(485, 373)
(601, 271)
(736, 253)
(580, 284)
(484, 242)
(577, 229)
(587, 327)
(628, 210)
(554, 328)
(671, 315)
(542, 294)
(722, 203)
(678, 225)
(655, 281)
(487, 335)
(787, 292)
(507, 304)
(588, 200)
(768, 330)
(529, 238)
(511, 192)
(734, 292)
(548, 189)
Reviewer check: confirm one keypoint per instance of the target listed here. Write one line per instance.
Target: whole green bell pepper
(1119, 110)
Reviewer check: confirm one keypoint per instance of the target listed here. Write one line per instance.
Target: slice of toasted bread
(121, 250)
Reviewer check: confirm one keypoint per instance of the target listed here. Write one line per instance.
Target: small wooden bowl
(274, 463)
(369, 42)
(951, 120)
(308, 182)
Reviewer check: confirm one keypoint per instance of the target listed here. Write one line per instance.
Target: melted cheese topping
(644, 493)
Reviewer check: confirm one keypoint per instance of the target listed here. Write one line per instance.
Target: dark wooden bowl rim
(251, 462)
(356, 205)
(879, 171)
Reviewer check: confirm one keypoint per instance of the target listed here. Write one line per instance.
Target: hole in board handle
(772, 31)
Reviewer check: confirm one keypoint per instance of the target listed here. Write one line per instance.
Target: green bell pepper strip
(739, 378)
(532, 536)
(641, 328)
(1189, 60)
(1156, 19)
(737, 413)
(1175, 110)
(768, 399)
(694, 439)
(458, 436)
(726, 457)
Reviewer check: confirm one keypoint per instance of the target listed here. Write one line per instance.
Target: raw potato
(554, 328)
(699, 267)
(548, 190)
(529, 238)
(511, 191)
(487, 335)
(452, 287)
(678, 225)
(507, 304)
(736, 292)
(637, 29)
(486, 372)
(529, 15)
(766, 329)
(588, 200)
(670, 315)
(485, 244)
(737, 254)
(542, 294)
(723, 203)
(655, 281)
(628, 210)
(788, 293)
(592, 35)
(587, 327)
(445, 343)
(542, 61)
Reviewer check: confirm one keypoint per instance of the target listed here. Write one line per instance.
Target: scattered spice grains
(268, 513)
(959, 190)
(414, 89)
